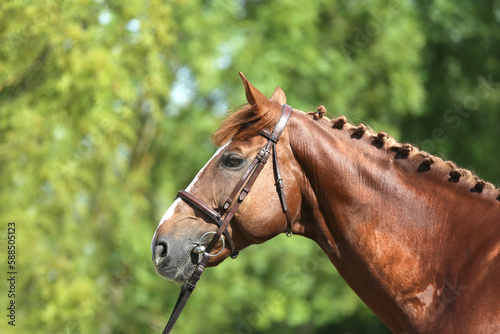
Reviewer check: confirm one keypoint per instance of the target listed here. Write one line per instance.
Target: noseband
(230, 207)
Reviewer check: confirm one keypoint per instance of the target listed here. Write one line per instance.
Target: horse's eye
(233, 160)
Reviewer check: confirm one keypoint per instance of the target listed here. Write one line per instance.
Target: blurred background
(107, 107)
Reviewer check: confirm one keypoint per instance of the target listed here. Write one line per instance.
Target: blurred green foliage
(106, 109)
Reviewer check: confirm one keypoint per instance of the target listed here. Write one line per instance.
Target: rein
(232, 204)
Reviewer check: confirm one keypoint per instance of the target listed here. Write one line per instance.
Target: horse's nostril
(160, 249)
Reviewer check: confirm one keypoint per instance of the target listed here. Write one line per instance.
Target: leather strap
(242, 180)
(186, 291)
(274, 137)
(216, 217)
(280, 188)
(232, 204)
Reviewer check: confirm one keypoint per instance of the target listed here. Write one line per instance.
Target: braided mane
(424, 160)
(246, 122)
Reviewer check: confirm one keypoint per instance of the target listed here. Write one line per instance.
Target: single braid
(381, 138)
(320, 111)
(405, 150)
(340, 122)
(360, 130)
(428, 160)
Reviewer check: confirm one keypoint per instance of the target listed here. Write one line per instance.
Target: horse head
(186, 228)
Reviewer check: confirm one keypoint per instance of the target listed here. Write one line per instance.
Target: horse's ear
(254, 96)
(279, 96)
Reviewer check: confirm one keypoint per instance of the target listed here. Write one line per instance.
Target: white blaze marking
(191, 185)
(171, 209)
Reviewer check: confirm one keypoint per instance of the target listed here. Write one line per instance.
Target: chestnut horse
(415, 237)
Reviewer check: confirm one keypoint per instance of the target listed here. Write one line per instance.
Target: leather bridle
(230, 207)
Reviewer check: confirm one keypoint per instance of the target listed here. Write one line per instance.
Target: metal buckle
(264, 151)
(279, 183)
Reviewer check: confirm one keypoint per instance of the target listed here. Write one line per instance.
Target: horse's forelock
(247, 122)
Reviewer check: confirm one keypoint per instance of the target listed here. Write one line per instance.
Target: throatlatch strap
(280, 188)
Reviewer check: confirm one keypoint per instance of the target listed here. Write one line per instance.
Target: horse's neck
(383, 229)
